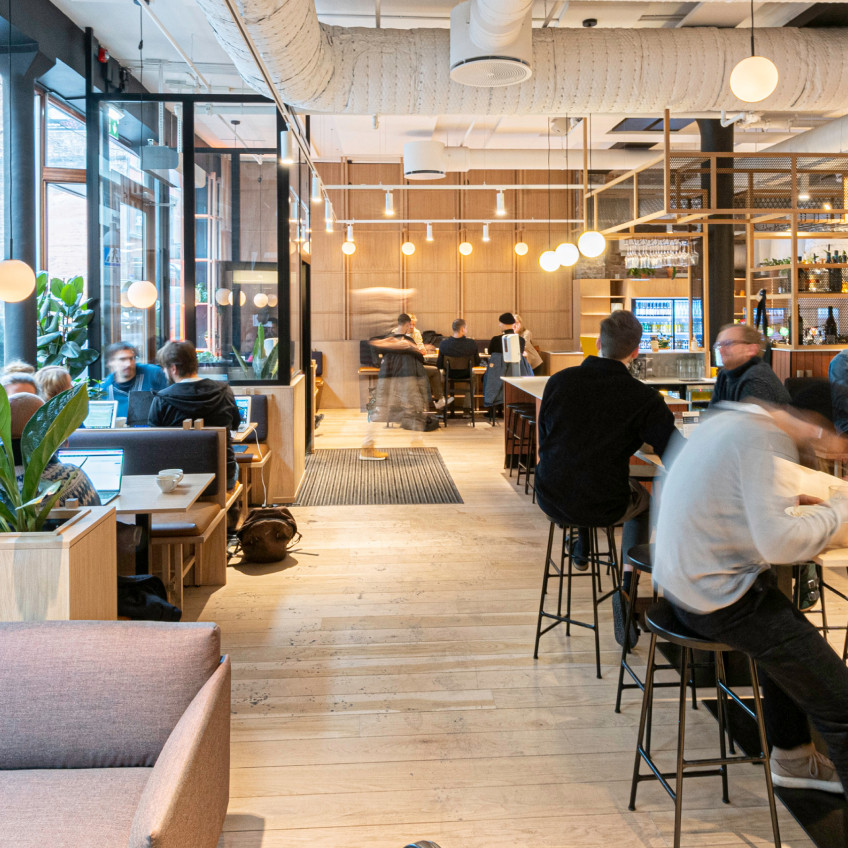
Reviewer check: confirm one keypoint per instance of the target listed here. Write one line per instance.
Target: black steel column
(718, 139)
(21, 319)
(283, 263)
(189, 224)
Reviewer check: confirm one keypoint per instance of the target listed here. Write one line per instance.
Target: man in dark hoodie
(190, 396)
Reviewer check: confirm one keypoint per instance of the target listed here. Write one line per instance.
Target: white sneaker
(807, 769)
(440, 403)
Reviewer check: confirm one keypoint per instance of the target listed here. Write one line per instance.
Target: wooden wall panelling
(489, 293)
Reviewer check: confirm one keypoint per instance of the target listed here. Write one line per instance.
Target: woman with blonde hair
(52, 380)
(533, 358)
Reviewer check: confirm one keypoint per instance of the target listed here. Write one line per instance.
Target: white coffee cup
(176, 473)
(166, 483)
(120, 422)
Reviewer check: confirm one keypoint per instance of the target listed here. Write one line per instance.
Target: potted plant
(63, 319)
(64, 572)
(262, 366)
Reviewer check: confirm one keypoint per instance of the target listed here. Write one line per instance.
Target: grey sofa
(113, 734)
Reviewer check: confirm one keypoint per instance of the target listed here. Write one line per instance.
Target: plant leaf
(71, 350)
(45, 340)
(7, 460)
(46, 430)
(68, 294)
(63, 486)
(244, 366)
(270, 367)
(56, 286)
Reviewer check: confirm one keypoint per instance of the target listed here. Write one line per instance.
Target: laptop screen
(243, 404)
(101, 414)
(103, 467)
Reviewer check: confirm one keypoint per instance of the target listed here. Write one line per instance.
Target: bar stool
(526, 449)
(640, 557)
(511, 421)
(663, 624)
(558, 571)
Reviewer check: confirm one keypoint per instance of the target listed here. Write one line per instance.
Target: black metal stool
(527, 449)
(558, 570)
(663, 624)
(511, 422)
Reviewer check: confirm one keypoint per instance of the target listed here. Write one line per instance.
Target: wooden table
(140, 496)
(238, 437)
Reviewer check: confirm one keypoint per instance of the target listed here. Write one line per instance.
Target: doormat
(409, 476)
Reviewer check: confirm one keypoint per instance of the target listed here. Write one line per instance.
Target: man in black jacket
(593, 418)
(191, 396)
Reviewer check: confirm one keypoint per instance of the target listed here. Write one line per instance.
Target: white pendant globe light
(125, 301)
(465, 248)
(567, 254)
(548, 260)
(755, 78)
(223, 297)
(17, 280)
(142, 294)
(242, 298)
(407, 248)
(260, 301)
(521, 248)
(348, 248)
(272, 300)
(591, 244)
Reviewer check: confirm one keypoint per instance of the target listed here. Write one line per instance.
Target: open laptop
(243, 404)
(104, 467)
(101, 414)
(138, 408)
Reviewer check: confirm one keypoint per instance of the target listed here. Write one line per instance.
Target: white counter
(534, 386)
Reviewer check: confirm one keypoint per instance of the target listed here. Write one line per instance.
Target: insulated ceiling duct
(355, 71)
(491, 42)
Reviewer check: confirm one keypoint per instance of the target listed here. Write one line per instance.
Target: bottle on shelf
(831, 331)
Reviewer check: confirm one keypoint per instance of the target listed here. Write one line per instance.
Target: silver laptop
(101, 414)
(104, 467)
(243, 404)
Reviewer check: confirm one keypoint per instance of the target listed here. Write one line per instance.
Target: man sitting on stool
(593, 418)
(460, 346)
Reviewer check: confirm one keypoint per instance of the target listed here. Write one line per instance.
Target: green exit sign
(113, 127)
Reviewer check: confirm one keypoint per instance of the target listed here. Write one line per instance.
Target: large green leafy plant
(63, 318)
(24, 508)
(263, 367)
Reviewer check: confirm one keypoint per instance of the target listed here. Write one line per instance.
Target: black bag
(142, 597)
(266, 534)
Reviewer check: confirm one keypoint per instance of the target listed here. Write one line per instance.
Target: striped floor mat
(408, 476)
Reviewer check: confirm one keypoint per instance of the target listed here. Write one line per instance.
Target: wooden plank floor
(384, 689)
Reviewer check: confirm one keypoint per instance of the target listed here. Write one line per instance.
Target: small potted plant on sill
(47, 572)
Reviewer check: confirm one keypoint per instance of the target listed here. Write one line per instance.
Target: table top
(237, 438)
(534, 386)
(255, 454)
(140, 494)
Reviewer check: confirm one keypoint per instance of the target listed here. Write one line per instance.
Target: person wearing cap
(506, 322)
(22, 407)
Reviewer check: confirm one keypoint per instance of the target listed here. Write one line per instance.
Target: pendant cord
(11, 143)
(752, 29)
(549, 183)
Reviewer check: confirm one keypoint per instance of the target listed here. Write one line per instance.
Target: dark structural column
(718, 139)
(21, 325)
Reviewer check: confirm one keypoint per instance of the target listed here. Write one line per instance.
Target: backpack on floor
(267, 533)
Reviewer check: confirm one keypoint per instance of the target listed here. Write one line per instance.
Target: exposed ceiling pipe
(495, 24)
(828, 138)
(339, 70)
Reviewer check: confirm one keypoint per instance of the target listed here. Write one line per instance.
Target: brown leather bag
(266, 534)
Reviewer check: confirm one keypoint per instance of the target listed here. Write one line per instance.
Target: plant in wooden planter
(25, 507)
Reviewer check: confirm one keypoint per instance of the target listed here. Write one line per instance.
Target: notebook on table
(101, 414)
(104, 467)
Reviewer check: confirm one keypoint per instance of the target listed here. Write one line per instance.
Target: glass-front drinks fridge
(667, 318)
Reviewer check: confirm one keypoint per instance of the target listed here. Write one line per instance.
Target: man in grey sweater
(721, 525)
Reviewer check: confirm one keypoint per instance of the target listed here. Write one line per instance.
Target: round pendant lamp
(567, 254)
(142, 294)
(17, 280)
(223, 297)
(272, 300)
(465, 248)
(407, 248)
(260, 301)
(592, 244)
(521, 248)
(548, 260)
(755, 78)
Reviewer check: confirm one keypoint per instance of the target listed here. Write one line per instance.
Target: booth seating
(183, 541)
(115, 734)
(252, 471)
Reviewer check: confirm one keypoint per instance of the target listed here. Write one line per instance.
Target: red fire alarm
(103, 55)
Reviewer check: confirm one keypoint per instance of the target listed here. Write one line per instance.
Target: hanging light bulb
(286, 157)
(272, 300)
(521, 248)
(348, 247)
(407, 248)
(567, 254)
(390, 203)
(260, 301)
(17, 280)
(242, 298)
(316, 189)
(142, 294)
(755, 78)
(429, 232)
(500, 204)
(465, 248)
(548, 260)
(223, 297)
(486, 232)
(592, 244)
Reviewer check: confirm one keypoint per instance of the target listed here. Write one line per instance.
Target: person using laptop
(52, 380)
(129, 376)
(190, 396)
(23, 407)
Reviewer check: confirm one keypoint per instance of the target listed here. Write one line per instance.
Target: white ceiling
(116, 25)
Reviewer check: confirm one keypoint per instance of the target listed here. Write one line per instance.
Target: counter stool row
(520, 422)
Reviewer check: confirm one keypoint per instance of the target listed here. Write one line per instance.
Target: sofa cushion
(95, 694)
(69, 808)
(191, 523)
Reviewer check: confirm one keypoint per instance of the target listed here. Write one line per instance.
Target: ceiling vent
(483, 67)
(424, 160)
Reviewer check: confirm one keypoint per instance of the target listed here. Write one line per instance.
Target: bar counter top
(535, 386)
